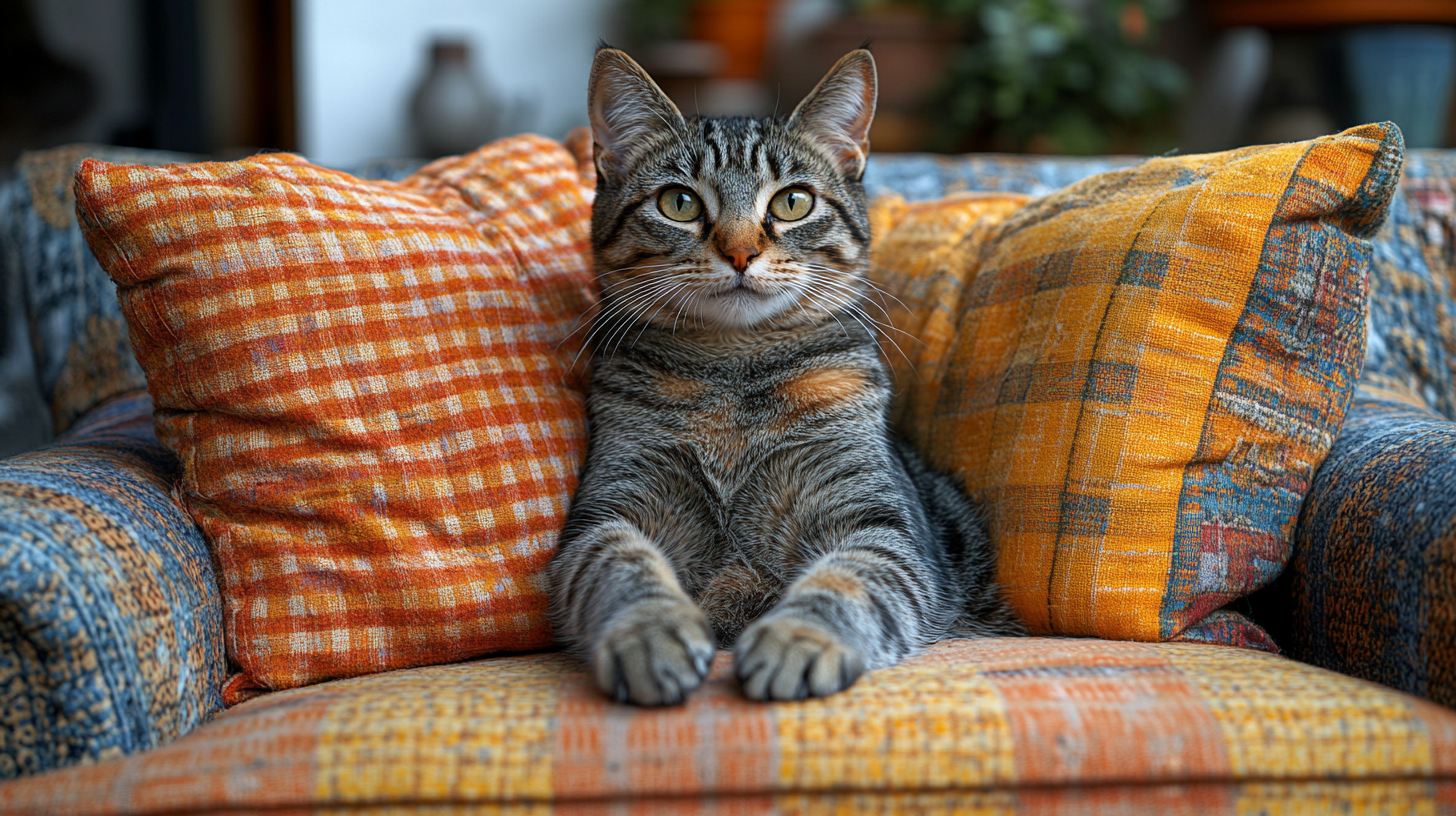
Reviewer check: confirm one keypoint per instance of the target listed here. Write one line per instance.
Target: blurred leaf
(1078, 135)
(1167, 78)
(1007, 102)
(1045, 40)
(1063, 73)
(1078, 75)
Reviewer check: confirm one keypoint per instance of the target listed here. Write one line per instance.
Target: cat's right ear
(625, 105)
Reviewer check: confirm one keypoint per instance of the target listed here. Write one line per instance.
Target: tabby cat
(741, 484)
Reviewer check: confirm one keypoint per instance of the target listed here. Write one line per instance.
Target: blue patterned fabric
(78, 336)
(1411, 354)
(110, 618)
(1371, 591)
(921, 177)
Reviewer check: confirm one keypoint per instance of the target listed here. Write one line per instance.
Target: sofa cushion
(77, 334)
(1371, 590)
(1139, 374)
(1412, 352)
(362, 380)
(110, 619)
(1016, 725)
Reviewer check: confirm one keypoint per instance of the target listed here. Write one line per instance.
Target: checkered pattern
(362, 380)
(1139, 374)
(1020, 725)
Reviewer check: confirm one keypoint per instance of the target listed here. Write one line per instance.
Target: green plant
(649, 21)
(1073, 76)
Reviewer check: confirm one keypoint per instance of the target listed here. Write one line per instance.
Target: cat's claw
(654, 654)
(791, 657)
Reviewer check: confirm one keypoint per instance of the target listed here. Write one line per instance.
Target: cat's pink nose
(742, 256)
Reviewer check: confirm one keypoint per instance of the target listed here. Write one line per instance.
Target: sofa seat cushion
(1029, 723)
(110, 618)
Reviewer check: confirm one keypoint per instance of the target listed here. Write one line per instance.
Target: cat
(741, 485)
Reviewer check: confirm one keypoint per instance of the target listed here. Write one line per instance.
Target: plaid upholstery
(110, 619)
(1138, 375)
(378, 435)
(1015, 725)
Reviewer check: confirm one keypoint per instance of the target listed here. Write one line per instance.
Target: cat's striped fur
(742, 486)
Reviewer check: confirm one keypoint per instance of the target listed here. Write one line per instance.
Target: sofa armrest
(110, 617)
(1371, 590)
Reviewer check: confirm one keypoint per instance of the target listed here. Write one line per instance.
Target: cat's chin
(742, 308)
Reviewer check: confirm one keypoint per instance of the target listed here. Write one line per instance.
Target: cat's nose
(741, 256)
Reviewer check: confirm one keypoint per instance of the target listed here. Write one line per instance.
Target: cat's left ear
(624, 105)
(838, 112)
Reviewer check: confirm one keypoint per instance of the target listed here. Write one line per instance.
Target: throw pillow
(377, 430)
(1138, 375)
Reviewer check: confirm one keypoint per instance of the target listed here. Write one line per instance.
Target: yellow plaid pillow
(1138, 375)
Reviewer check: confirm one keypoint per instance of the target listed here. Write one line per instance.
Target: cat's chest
(733, 423)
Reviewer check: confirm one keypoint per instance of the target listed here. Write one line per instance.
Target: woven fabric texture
(1411, 356)
(1371, 590)
(1368, 586)
(1138, 375)
(110, 618)
(1032, 724)
(1412, 353)
(77, 333)
(377, 431)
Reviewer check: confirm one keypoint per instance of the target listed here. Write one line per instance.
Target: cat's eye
(679, 204)
(791, 204)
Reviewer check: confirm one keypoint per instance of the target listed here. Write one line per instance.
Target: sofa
(112, 663)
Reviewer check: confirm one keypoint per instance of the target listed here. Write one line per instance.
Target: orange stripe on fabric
(1112, 732)
(717, 742)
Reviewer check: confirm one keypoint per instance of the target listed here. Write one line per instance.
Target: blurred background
(344, 81)
(349, 81)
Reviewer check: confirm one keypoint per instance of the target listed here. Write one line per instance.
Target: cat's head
(729, 223)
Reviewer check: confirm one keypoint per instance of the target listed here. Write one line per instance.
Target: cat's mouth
(742, 287)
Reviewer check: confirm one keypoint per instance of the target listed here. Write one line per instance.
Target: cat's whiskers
(827, 310)
(872, 287)
(586, 318)
(683, 308)
(616, 306)
(876, 288)
(666, 298)
(888, 324)
(601, 275)
(848, 299)
(664, 289)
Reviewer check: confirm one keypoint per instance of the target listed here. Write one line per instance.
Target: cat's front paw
(789, 657)
(654, 653)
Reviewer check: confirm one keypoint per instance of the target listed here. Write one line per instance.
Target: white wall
(357, 62)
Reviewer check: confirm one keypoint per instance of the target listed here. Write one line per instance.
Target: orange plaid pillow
(1139, 374)
(377, 431)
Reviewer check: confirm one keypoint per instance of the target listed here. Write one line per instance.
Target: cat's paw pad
(654, 654)
(790, 658)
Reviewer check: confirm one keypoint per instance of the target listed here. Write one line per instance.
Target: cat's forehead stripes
(709, 148)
